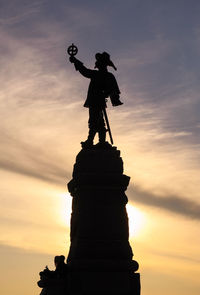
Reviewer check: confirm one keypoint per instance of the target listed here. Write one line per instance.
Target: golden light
(136, 220)
(136, 216)
(64, 210)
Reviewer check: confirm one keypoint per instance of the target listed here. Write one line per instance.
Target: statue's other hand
(115, 100)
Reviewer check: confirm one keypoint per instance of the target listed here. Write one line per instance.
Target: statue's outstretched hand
(72, 59)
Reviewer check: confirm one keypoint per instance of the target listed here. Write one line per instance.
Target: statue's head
(58, 260)
(103, 60)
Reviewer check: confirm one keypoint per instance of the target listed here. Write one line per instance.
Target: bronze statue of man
(102, 85)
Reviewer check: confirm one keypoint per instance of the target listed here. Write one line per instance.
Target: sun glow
(136, 217)
(65, 209)
(136, 220)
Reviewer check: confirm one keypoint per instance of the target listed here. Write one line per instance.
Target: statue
(102, 85)
(54, 282)
(100, 255)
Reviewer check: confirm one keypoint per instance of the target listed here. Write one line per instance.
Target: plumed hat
(104, 58)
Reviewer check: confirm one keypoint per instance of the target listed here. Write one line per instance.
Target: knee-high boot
(89, 142)
(102, 135)
(91, 135)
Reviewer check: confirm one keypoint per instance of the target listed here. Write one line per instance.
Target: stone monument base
(103, 278)
(104, 283)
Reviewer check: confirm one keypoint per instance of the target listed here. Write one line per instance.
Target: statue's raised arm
(102, 85)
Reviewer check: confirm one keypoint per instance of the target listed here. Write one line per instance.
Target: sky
(155, 45)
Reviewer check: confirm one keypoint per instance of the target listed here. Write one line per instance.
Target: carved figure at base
(54, 282)
(102, 85)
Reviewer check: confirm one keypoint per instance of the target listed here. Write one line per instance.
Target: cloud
(172, 203)
(41, 96)
(23, 156)
(12, 223)
(37, 104)
(56, 175)
(147, 52)
(13, 13)
(176, 256)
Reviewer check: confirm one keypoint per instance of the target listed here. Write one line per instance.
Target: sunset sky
(155, 44)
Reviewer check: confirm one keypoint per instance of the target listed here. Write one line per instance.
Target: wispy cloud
(15, 12)
(172, 203)
(41, 100)
(176, 256)
(37, 102)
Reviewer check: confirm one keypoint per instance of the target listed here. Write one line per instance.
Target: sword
(108, 125)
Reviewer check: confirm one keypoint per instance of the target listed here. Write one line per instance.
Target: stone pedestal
(100, 256)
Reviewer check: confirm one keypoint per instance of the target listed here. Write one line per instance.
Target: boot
(89, 142)
(102, 136)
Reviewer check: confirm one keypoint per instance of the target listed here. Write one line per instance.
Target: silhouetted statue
(102, 85)
(100, 258)
(54, 282)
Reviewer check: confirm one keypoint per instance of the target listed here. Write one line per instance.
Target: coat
(102, 85)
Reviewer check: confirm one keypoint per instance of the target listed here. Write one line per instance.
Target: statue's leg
(92, 123)
(93, 126)
(101, 127)
(102, 135)
(91, 135)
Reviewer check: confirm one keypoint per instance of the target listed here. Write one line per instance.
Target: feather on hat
(104, 58)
